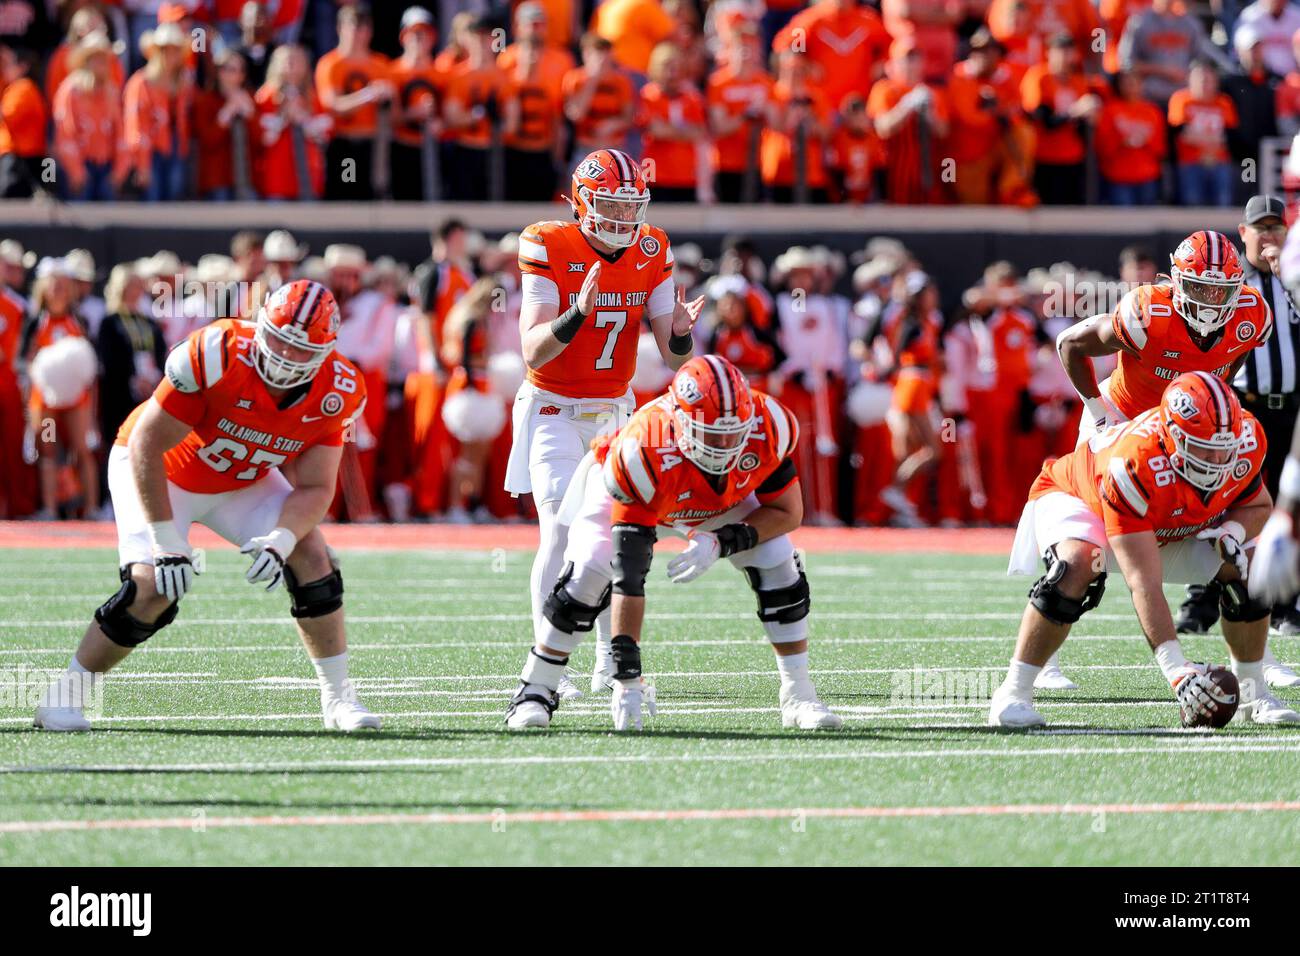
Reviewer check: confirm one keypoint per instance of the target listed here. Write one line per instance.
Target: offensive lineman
(714, 461)
(238, 402)
(1203, 319)
(587, 287)
(1174, 495)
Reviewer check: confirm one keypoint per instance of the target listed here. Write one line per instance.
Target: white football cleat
(1266, 709)
(1278, 674)
(809, 714)
(626, 702)
(66, 719)
(602, 677)
(1008, 711)
(531, 708)
(1051, 678)
(567, 690)
(346, 713)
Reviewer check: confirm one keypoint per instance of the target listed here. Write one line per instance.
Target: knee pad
(566, 613)
(1236, 604)
(782, 605)
(634, 546)
(315, 598)
(627, 657)
(119, 625)
(1060, 608)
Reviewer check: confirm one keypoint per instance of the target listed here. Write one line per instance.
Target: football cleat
(1051, 677)
(1278, 674)
(626, 702)
(531, 708)
(1011, 712)
(346, 713)
(809, 714)
(568, 690)
(64, 719)
(1266, 709)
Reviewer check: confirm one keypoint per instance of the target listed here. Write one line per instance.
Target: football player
(1203, 319)
(1174, 495)
(239, 402)
(588, 286)
(709, 459)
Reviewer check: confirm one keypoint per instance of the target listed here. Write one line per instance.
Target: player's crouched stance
(708, 458)
(238, 402)
(1175, 495)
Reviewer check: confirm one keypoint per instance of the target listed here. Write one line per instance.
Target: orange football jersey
(1145, 321)
(652, 483)
(240, 432)
(1124, 476)
(600, 360)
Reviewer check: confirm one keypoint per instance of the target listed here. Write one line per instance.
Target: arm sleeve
(661, 301)
(540, 289)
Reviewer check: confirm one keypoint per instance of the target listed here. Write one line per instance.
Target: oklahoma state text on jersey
(1146, 323)
(1124, 476)
(652, 483)
(600, 360)
(240, 432)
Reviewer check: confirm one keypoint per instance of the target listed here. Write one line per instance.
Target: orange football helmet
(296, 329)
(1207, 278)
(610, 197)
(714, 411)
(1203, 420)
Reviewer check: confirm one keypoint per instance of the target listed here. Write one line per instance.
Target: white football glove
(626, 703)
(702, 549)
(1194, 690)
(1103, 412)
(173, 571)
(269, 552)
(1275, 570)
(1228, 539)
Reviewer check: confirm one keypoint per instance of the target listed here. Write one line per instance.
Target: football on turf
(1226, 691)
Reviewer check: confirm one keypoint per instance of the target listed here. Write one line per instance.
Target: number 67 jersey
(240, 432)
(635, 282)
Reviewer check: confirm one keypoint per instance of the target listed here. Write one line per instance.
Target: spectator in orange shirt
(559, 17)
(599, 100)
(794, 140)
(418, 87)
(1045, 19)
(1059, 99)
(1023, 45)
(738, 96)
(689, 38)
(633, 28)
(84, 22)
(674, 129)
(156, 111)
(933, 24)
(22, 126)
(221, 108)
(289, 113)
(856, 153)
(1131, 145)
(911, 119)
(530, 107)
(1201, 118)
(471, 110)
(88, 130)
(847, 42)
(991, 142)
(554, 61)
(351, 82)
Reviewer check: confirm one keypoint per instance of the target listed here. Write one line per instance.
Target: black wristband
(566, 326)
(734, 538)
(681, 344)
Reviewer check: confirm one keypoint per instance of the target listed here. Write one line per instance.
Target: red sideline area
(414, 537)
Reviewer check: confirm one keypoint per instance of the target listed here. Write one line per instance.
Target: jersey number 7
(616, 322)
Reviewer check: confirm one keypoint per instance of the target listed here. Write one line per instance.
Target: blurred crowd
(911, 414)
(905, 101)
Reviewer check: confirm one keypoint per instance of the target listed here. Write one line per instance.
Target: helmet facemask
(1206, 302)
(1205, 463)
(614, 218)
(278, 370)
(715, 447)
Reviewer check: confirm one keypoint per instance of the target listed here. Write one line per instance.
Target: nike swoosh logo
(641, 265)
(742, 484)
(311, 418)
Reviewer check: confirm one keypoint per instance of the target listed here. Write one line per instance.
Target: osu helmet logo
(688, 390)
(1182, 404)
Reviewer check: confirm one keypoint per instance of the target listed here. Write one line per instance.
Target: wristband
(1289, 485)
(566, 326)
(734, 538)
(282, 542)
(166, 539)
(681, 344)
(1234, 529)
(1096, 408)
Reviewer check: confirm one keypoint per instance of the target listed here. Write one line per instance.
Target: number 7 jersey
(240, 431)
(635, 283)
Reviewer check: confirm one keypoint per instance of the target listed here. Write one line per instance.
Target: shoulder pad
(1131, 319)
(781, 425)
(180, 369)
(1121, 475)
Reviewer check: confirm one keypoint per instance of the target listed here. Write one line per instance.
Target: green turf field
(218, 718)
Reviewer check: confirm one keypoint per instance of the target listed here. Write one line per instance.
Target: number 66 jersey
(635, 282)
(240, 431)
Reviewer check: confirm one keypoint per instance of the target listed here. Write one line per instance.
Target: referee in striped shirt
(1268, 383)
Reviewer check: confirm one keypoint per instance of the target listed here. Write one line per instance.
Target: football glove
(269, 552)
(173, 570)
(1227, 540)
(1275, 571)
(702, 549)
(627, 701)
(1194, 690)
